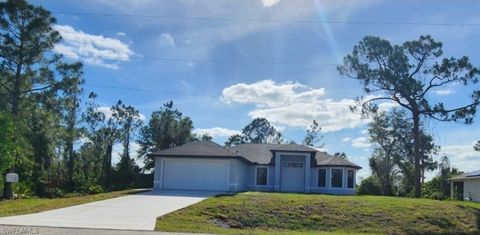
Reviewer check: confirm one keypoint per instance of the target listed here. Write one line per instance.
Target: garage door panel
(196, 174)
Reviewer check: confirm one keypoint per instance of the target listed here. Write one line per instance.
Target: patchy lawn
(33, 205)
(259, 213)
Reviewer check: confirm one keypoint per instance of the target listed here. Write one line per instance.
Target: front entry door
(292, 177)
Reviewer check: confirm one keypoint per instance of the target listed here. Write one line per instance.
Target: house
(466, 186)
(256, 167)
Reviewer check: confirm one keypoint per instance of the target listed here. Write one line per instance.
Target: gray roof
(468, 175)
(203, 148)
(253, 153)
(263, 154)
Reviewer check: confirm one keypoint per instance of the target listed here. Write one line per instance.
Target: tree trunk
(108, 166)
(7, 186)
(416, 152)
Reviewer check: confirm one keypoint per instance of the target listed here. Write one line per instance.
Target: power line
(260, 20)
(213, 61)
(149, 90)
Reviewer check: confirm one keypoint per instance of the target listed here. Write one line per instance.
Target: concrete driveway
(132, 212)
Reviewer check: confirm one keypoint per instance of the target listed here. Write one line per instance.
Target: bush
(369, 186)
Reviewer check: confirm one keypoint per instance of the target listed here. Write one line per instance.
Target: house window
(261, 178)
(337, 178)
(351, 178)
(322, 177)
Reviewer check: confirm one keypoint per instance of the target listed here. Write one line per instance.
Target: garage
(196, 174)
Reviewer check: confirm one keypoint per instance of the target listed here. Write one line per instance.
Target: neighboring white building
(257, 167)
(466, 186)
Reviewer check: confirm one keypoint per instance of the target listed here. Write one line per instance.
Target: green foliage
(260, 131)
(406, 74)
(166, 128)
(476, 147)
(370, 186)
(314, 136)
(234, 140)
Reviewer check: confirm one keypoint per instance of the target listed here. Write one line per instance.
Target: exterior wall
(471, 188)
(242, 177)
(239, 176)
(328, 189)
(252, 169)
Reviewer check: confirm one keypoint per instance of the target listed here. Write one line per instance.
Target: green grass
(261, 213)
(33, 205)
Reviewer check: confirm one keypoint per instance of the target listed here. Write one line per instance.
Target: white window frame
(326, 174)
(256, 172)
(353, 185)
(331, 177)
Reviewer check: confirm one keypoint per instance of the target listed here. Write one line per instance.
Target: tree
(26, 61)
(383, 167)
(340, 155)
(313, 136)
(234, 140)
(406, 74)
(259, 131)
(8, 148)
(369, 186)
(476, 147)
(166, 128)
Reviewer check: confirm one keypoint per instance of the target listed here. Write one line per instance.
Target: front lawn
(259, 213)
(33, 205)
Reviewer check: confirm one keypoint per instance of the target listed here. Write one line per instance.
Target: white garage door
(189, 174)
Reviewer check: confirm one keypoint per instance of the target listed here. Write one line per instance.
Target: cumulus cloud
(216, 132)
(295, 105)
(92, 49)
(346, 139)
(361, 142)
(444, 92)
(269, 3)
(462, 157)
(167, 39)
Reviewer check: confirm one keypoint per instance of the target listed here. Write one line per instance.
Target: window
(350, 180)
(322, 177)
(337, 178)
(261, 176)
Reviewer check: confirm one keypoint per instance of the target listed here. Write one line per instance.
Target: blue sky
(226, 62)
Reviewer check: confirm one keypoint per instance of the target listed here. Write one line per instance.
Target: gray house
(466, 186)
(257, 167)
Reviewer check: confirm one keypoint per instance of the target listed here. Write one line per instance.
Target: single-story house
(253, 167)
(466, 186)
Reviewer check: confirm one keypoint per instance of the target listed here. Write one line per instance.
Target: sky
(224, 63)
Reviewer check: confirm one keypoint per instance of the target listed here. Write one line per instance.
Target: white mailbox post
(11, 177)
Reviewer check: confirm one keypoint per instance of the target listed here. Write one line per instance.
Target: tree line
(59, 143)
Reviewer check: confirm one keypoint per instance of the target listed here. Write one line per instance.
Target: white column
(308, 170)
(278, 165)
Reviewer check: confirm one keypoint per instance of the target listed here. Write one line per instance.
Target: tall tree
(314, 136)
(260, 131)
(234, 140)
(476, 147)
(26, 61)
(166, 128)
(406, 74)
(383, 167)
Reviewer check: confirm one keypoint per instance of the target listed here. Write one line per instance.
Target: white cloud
(361, 142)
(346, 139)
(462, 157)
(117, 151)
(444, 92)
(269, 3)
(294, 104)
(92, 49)
(167, 39)
(121, 34)
(216, 132)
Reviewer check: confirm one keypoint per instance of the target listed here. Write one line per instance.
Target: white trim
(331, 177)
(266, 183)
